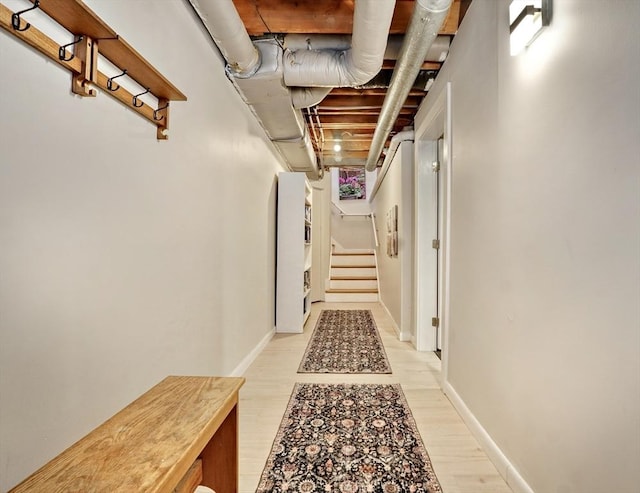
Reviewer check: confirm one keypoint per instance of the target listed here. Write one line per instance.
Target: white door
(428, 246)
(437, 244)
(432, 198)
(426, 259)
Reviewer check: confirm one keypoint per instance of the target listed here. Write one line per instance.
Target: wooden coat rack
(92, 36)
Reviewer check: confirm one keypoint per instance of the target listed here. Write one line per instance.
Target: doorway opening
(433, 138)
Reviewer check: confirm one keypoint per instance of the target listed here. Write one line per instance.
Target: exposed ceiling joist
(347, 115)
(322, 16)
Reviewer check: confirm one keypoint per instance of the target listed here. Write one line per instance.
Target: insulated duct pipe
(437, 52)
(346, 68)
(230, 35)
(426, 20)
(306, 97)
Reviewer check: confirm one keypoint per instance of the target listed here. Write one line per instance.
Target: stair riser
(351, 297)
(353, 284)
(337, 260)
(353, 250)
(361, 271)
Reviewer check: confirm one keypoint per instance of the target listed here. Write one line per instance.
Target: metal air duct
(350, 67)
(306, 97)
(426, 20)
(276, 84)
(230, 35)
(437, 52)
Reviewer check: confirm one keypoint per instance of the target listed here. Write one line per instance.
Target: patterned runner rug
(346, 439)
(345, 341)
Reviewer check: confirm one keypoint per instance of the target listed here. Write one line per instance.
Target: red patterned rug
(347, 439)
(345, 341)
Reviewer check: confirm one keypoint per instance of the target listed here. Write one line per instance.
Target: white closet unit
(293, 284)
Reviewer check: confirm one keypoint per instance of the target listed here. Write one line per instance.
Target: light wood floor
(459, 463)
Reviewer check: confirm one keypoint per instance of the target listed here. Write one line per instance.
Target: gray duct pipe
(437, 52)
(426, 20)
(347, 68)
(310, 73)
(230, 35)
(307, 75)
(306, 97)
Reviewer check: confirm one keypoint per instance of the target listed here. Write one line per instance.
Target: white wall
(124, 259)
(351, 232)
(544, 341)
(395, 274)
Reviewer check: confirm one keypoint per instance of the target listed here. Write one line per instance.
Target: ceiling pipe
(311, 42)
(331, 162)
(350, 67)
(383, 81)
(228, 31)
(426, 20)
(306, 97)
(437, 52)
(277, 83)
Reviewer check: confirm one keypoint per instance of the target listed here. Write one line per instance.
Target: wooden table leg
(220, 457)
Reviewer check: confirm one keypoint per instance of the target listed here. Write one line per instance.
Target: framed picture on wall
(352, 184)
(394, 244)
(392, 231)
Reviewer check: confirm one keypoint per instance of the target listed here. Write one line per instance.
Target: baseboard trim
(414, 342)
(504, 466)
(246, 362)
(402, 336)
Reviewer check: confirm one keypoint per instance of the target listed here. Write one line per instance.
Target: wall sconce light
(337, 147)
(527, 18)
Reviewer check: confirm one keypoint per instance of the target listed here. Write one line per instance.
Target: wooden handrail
(342, 213)
(375, 232)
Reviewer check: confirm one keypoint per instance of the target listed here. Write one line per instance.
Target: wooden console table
(181, 433)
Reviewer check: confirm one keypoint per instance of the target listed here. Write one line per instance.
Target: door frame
(435, 124)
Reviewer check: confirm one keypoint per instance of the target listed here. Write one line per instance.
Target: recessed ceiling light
(337, 147)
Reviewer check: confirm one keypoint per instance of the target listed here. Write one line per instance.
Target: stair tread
(333, 266)
(353, 290)
(343, 254)
(354, 278)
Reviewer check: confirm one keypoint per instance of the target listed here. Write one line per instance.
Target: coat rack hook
(15, 18)
(155, 113)
(135, 102)
(62, 52)
(110, 83)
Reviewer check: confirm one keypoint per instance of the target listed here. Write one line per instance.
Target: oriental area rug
(348, 438)
(345, 341)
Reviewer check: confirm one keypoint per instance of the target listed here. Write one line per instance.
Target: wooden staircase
(353, 277)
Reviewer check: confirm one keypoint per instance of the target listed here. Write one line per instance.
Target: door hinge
(435, 166)
(435, 322)
(435, 244)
